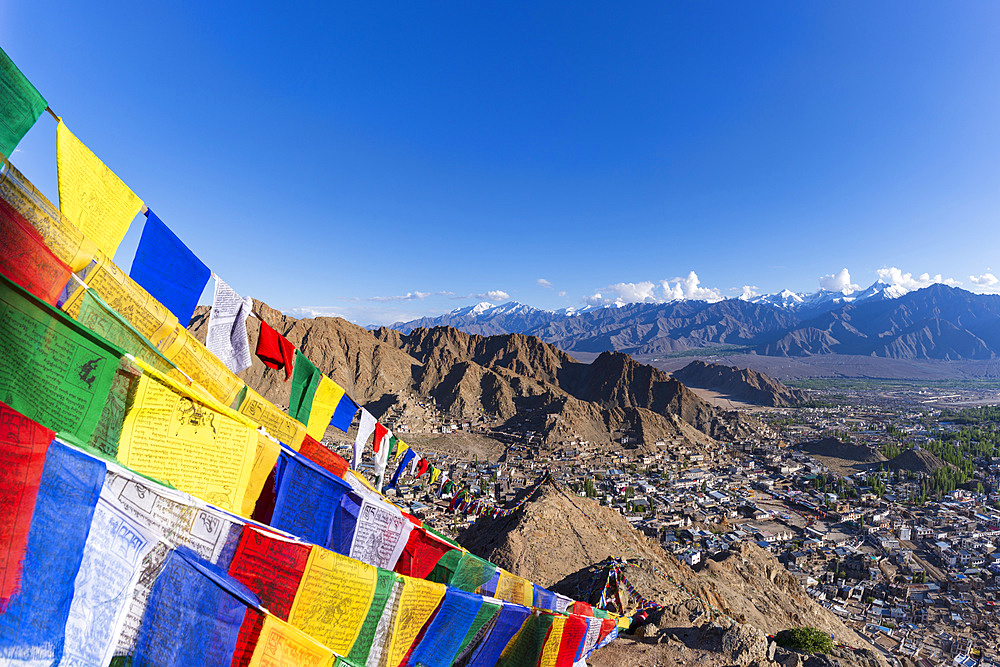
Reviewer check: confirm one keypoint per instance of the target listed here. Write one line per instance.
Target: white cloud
(562, 293)
(542, 282)
(909, 282)
(676, 289)
(748, 292)
(690, 288)
(986, 282)
(409, 296)
(838, 282)
(314, 311)
(494, 295)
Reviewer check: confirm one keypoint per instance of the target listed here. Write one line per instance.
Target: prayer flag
(393, 445)
(282, 644)
(227, 327)
(375, 624)
(198, 445)
(193, 616)
(26, 260)
(324, 404)
(443, 638)
(365, 429)
(90, 194)
(53, 370)
(422, 465)
(435, 473)
(407, 457)
(321, 455)
(275, 350)
(343, 416)
(334, 598)
(305, 382)
(574, 635)
(32, 628)
(20, 105)
(380, 433)
(401, 449)
(417, 602)
(271, 567)
(23, 444)
(509, 622)
(421, 554)
(308, 497)
(168, 270)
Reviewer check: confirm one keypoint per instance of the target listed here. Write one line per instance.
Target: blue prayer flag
(444, 635)
(165, 267)
(33, 626)
(308, 496)
(344, 414)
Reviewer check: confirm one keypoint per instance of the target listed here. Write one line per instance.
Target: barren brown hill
(527, 384)
(842, 457)
(916, 460)
(558, 540)
(741, 384)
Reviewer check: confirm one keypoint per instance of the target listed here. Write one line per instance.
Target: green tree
(805, 639)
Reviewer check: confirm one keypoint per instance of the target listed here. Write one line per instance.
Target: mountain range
(519, 382)
(936, 322)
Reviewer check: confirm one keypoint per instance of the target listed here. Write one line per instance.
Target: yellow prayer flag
(324, 403)
(263, 463)
(280, 644)
(91, 195)
(176, 436)
(434, 475)
(417, 602)
(550, 651)
(274, 421)
(513, 588)
(401, 448)
(333, 598)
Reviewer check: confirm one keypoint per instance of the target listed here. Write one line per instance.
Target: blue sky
(387, 160)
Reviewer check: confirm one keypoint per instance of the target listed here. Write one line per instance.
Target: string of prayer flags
(23, 444)
(275, 350)
(326, 398)
(344, 413)
(20, 105)
(365, 429)
(305, 382)
(227, 327)
(443, 638)
(308, 498)
(26, 260)
(55, 371)
(193, 616)
(91, 195)
(32, 629)
(168, 270)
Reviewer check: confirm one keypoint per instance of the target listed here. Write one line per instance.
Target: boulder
(743, 644)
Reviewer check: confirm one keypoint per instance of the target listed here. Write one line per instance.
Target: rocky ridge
(522, 382)
(740, 384)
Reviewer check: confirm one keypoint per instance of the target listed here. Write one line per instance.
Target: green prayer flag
(20, 105)
(446, 567)
(385, 580)
(483, 616)
(305, 381)
(52, 370)
(102, 319)
(472, 572)
(393, 445)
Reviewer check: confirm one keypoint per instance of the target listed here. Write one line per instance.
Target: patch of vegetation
(805, 640)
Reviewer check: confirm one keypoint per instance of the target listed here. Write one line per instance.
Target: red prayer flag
(421, 554)
(23, 444)
(581, 609)
(26, 260)
(574, 632)
(380, 432)
(275, 350)
(422, 465)
(272, 568)
(322, 456)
